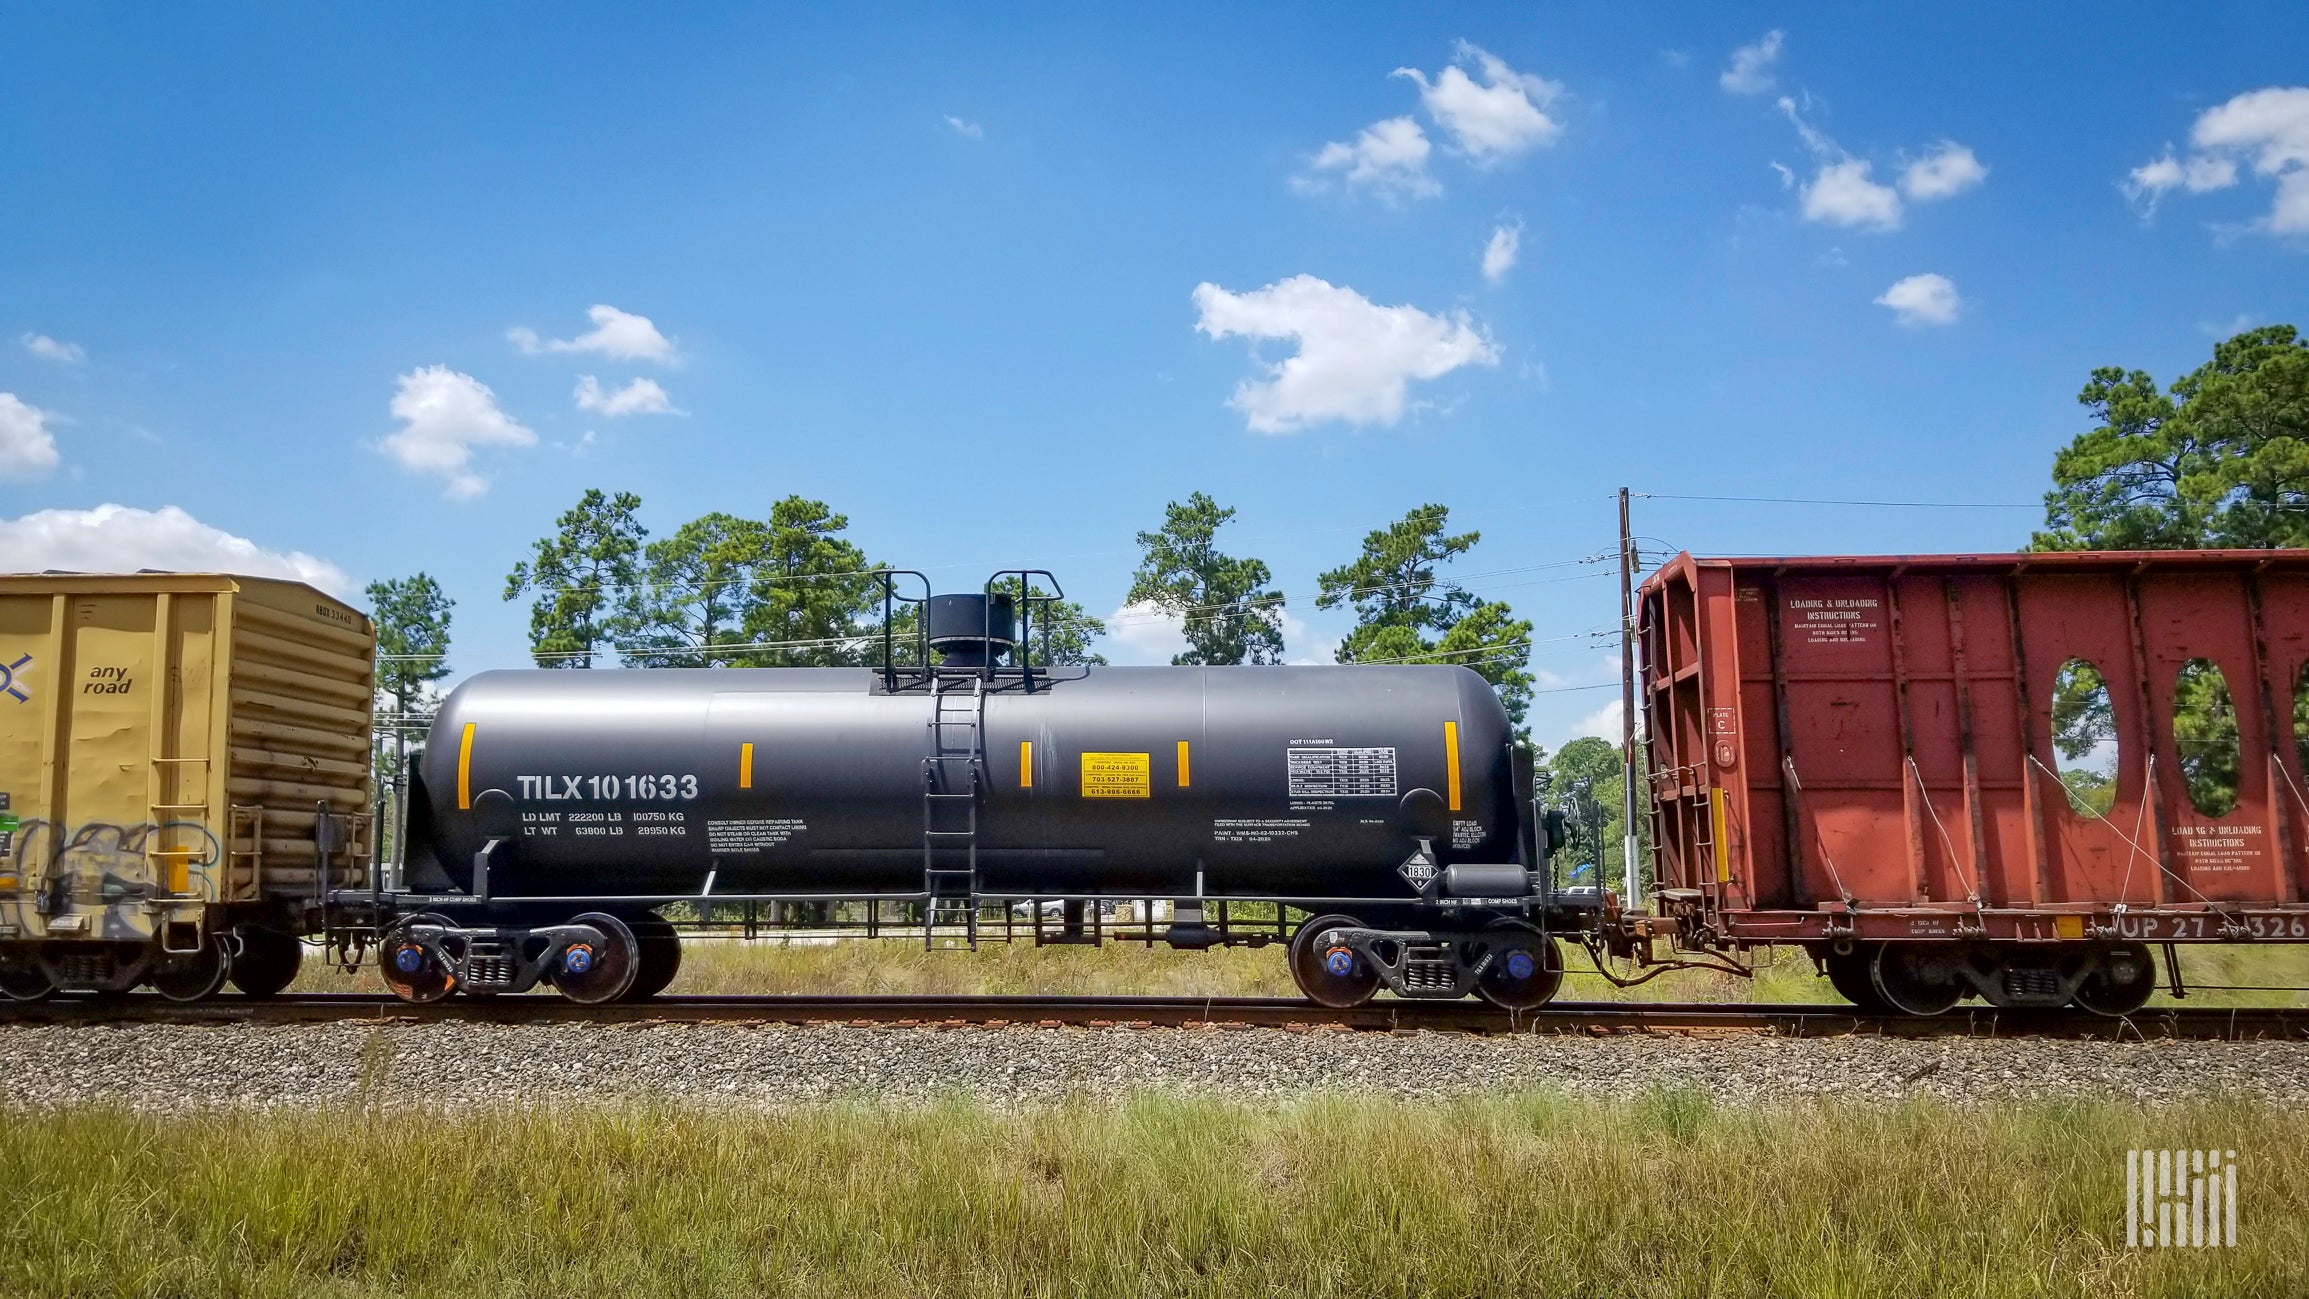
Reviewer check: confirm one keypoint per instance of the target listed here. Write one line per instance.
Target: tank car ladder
(951, 774)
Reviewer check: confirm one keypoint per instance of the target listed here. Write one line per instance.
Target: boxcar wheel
(267, 962)
(1331, 974)
(593, 970)
(191, 976)
(413, 972)
(1917, 978)
(2125, 981)
(1526, 967)
(660, 947)
(23, 979)
(1849, 975)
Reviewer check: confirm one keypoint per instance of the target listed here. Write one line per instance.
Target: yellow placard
(1117, 775)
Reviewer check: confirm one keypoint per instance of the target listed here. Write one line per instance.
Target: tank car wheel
(1849, 975)
(1526, 969)
(1916, 978)
(2123, 984)
(411, 971)
(592, 971)
(23, 979)
(267, 962)
(660, 948)
(192, 976)
(1331, 974)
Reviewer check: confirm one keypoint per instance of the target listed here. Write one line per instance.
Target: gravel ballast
(457, 1065)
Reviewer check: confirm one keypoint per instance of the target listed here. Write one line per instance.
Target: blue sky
(944, 270)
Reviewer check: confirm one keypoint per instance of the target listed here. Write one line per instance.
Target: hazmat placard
(1117, 775)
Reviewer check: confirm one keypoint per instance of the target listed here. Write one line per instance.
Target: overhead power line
(1812, 500)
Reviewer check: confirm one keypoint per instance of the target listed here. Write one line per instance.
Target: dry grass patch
(1535, 1193)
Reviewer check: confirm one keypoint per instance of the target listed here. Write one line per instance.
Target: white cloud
(49, 349)
(1598, 670)
(27, 448)
(2149, 182)
(1949, 170)
(1844, 190)
(1501, 250)
(967, 130)
(1926, 299)
(641, 397)
(1603, 723)
(1305, 651)
(1495, 119)
(1750, 72)
(1143, 633)
(119, 539)
(1388, 158)
(2268, 128)
(445, 415)
(2234, 326)
(618, 335)
(1842, 194)
(1355, 359)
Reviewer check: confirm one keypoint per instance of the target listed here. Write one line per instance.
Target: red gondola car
(1857, 755)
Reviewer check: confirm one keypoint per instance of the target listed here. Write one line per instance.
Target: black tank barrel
(1268, 781)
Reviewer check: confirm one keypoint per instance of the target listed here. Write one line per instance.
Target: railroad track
(2205, 1023)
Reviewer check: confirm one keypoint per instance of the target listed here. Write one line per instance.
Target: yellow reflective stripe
(1451, 760)
(465, 769)
(745, 766)
(1026, 764)
(1183, 765)
(1723, 842)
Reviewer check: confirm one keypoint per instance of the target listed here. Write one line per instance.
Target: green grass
(1521, 1194)
(897, 965)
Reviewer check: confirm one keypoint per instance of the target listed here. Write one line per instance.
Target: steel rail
(1593, 1017)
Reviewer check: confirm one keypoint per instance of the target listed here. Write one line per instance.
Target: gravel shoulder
(165, 1068)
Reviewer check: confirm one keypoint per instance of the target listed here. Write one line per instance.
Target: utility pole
(1629, 839)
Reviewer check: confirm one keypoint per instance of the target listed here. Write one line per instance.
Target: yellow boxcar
(184, 772)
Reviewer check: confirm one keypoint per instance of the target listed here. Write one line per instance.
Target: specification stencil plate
(1341, 773)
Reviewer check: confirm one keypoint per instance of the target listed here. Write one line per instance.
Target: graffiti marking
(12, 680)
